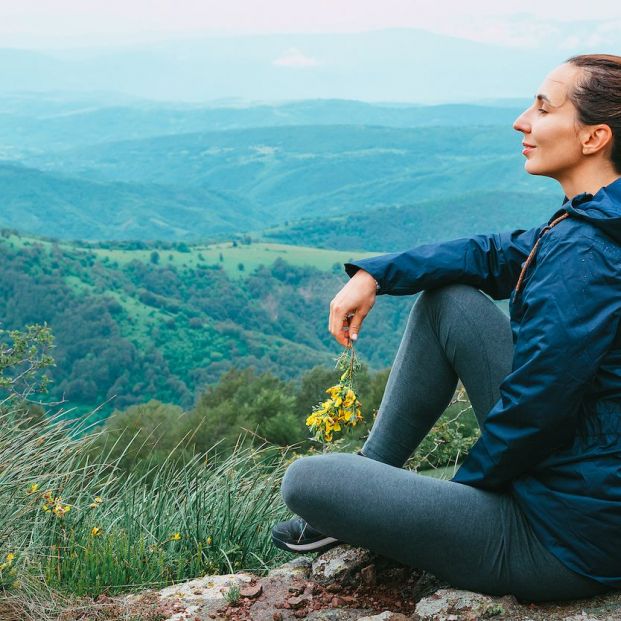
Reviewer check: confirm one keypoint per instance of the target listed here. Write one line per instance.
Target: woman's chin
(532, 169)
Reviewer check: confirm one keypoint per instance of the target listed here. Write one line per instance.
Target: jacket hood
(603, 209)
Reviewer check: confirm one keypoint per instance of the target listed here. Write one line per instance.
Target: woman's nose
(521, 123)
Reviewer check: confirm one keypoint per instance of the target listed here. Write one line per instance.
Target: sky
(45, 24)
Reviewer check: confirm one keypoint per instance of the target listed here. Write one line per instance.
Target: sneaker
(296, 535)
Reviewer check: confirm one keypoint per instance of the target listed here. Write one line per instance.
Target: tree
(143, 435)
(243, 400)
(24, 355)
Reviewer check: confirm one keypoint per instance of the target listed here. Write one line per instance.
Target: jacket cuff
(367, 266)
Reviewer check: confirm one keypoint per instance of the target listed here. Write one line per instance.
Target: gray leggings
(470, 538)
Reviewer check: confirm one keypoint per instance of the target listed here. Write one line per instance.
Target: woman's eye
(542, 110)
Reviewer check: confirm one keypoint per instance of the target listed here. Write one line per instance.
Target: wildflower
(95, 531)
(342, 408)
(98, 500)
(209, 540)
(8, 561)
(59, 509)
(33, 488)
(350, 398)
(175, 537)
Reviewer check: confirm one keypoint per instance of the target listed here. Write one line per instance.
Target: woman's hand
(350, 306)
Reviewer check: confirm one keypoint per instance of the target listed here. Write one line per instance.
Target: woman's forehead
(557, 84)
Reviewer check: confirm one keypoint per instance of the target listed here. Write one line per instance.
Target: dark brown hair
(597, 96)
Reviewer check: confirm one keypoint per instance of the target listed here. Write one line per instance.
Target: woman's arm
(571, 310)
(491, 263)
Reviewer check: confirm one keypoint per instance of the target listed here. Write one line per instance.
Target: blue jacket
(553, 439)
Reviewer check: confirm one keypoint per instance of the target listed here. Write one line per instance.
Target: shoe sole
(316, 546)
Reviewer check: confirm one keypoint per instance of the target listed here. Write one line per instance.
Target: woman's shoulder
(583, 236)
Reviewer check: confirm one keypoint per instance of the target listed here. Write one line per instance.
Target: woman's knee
(445, 297)
(307, 480)
(297, 483)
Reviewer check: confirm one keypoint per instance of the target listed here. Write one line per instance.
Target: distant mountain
(384, 65)
(391, 229)
(62, 206)
(35, 123)
(293, 172)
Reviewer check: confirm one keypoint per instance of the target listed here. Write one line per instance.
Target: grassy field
(231, 255)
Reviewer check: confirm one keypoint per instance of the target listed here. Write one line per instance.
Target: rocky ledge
(350, 584)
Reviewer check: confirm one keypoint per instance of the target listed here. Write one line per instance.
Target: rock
(469, 605)
(196, 598)
(299, 567)
(368, 575)
(337, 614)
(251, 591)
(297, 601)
(386, 616)
(340, 564)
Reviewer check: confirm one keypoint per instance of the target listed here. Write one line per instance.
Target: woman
(535, 509)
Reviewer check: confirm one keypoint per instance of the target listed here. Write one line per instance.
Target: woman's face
(550, 126)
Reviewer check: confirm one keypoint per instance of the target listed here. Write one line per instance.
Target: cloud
(295, 58)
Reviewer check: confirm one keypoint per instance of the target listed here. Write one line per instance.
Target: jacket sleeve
(571, 309)
(491, 263)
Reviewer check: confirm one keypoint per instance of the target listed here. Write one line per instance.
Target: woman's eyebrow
(544, 97)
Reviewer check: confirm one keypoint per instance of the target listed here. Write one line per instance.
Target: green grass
(202, 518)
(250, 256)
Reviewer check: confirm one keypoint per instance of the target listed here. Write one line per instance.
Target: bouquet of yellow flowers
(342, 409)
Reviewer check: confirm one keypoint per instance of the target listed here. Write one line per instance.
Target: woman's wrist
(362, 274)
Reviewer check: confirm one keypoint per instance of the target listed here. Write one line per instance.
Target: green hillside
(164, 320)
(292, 172)
(389, 229)
(44, 203)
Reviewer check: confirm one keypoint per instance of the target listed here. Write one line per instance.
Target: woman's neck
(589, 179)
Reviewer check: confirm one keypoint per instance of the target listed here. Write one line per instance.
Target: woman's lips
(527, 148)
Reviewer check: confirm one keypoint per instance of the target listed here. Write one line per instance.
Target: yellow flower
(98, 501)
(47, 495)
(324, 407)
(350, 398)
(333, 391)
(10, 557)
(209, 541)
(45, 508)
(60, 510)
(95, 531)
(33, 488)
(175, 537)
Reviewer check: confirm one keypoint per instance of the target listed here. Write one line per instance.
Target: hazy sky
(65, 23)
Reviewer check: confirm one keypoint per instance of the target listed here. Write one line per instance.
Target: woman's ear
(596, 138)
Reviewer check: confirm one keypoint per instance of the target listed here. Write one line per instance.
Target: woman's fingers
(350, 306)
(354, 326)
